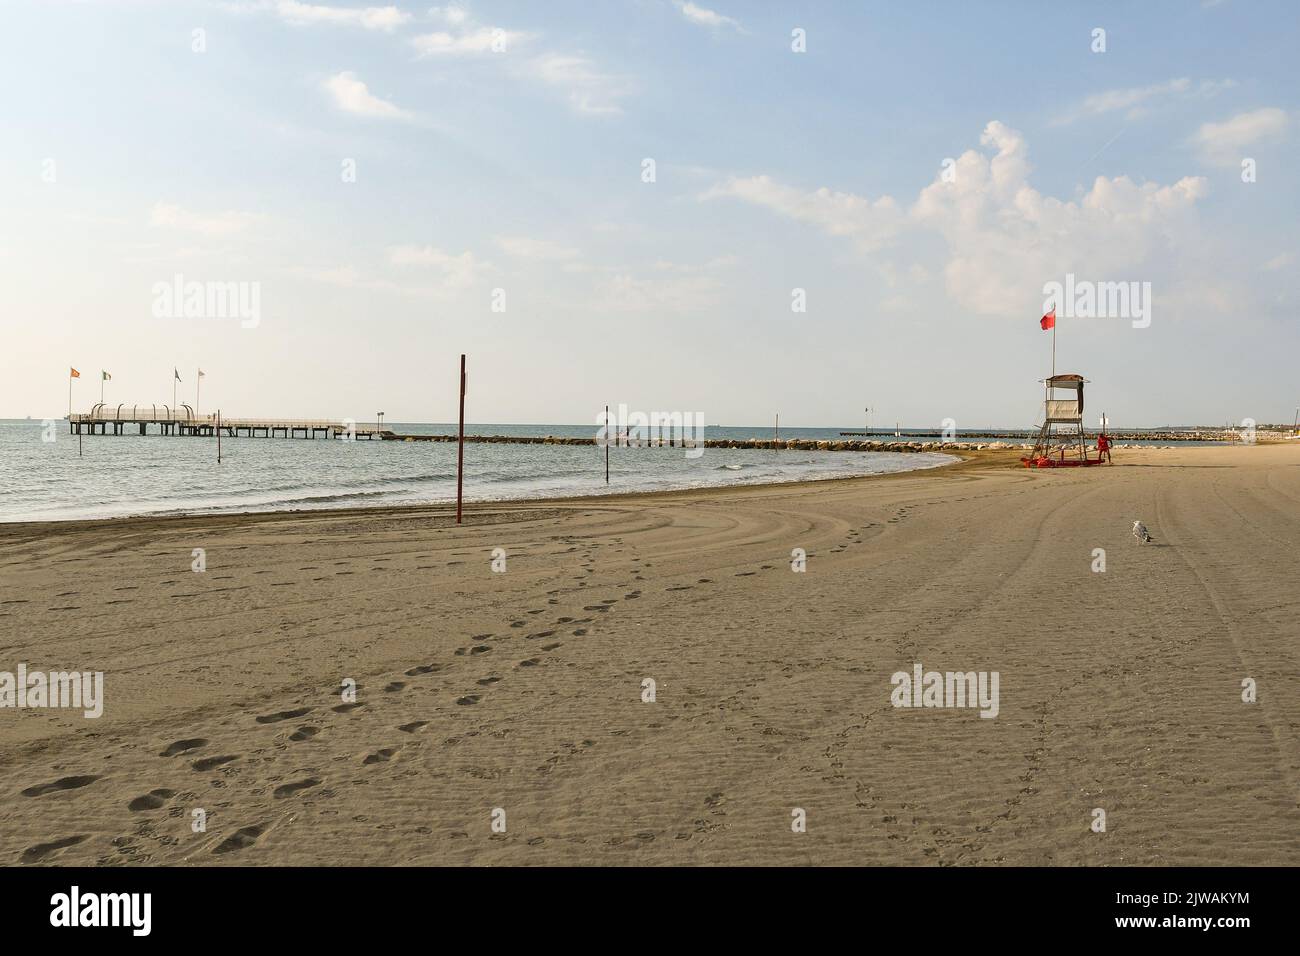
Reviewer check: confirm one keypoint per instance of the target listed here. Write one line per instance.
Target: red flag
(1049, 320)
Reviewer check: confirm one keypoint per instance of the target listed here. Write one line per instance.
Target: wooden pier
(182, 421)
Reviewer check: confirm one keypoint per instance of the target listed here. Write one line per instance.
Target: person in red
(1103, 447)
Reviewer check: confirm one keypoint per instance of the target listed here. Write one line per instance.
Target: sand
(522, 690)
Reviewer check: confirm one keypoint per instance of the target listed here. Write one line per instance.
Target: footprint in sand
(304, 733)
(41, 850)
(468, 699)
(745, 574)
(596, 607)
(151, 800)
(531, 662)
(551, 647)
(289, 789)
(208, 763)
(529, 637)
(394, 686)
(63, 783)
(579, 632)
(487, 681)
(380, 756)
(283, 715)
(346, 708)
(424, 669)
(413, 726)
(239, 840)
(183, 746)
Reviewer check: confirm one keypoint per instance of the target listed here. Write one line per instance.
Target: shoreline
(958, 457)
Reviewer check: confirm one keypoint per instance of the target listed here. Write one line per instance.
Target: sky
(738, 209)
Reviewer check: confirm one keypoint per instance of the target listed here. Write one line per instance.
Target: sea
(108, 476)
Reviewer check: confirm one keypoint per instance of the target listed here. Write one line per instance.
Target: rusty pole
(460, 441)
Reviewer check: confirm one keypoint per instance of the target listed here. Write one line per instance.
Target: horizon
(378, 179)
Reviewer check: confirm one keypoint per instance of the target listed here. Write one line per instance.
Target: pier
(183, 421)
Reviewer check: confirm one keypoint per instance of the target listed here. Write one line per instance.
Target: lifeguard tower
(1061, 438)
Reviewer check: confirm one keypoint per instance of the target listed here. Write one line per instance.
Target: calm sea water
(133, 475)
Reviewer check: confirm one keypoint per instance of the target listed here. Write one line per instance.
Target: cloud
(1003, 237)
(453, 272)
(464, 36)
(539, 250)
(671, 295)
(1137, 99)
(705, 17)
(587, 88)
(870, 223)
(1222, 144)
(386, 19)
(351, 96)
(171, 216)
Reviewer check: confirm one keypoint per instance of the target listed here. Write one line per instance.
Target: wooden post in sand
(460, 441)
(778, 431)
(218, 436)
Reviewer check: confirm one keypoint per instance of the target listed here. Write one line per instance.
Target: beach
(502, 714)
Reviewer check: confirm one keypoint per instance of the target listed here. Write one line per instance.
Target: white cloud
(464, 36)
(587, 88)
(669, 295)
(705, 17)
(1223, 144)
(171, 216)
(352, 96)
(370, 18)
(539, 250)
(1136, 100)
(840, 214)
(1003, 238)
(453, 272)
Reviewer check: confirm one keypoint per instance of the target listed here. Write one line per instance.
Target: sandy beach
(522, 689)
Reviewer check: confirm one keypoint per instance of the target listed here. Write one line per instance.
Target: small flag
(75, 374)
(106, 377)
(202, 373)
(177, 373)
(1049, 320)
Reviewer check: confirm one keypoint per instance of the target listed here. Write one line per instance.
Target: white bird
(1140, 532)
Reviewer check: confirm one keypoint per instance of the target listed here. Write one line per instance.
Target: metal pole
(198, 383)
(460, 441)
(606, 444)
(778, 427)
(218, 436)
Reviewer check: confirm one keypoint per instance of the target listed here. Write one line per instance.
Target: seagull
(1141, 533)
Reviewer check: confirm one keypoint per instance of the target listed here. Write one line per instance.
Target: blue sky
(130, 158)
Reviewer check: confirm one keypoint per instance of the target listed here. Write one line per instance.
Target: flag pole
(69, 396)
(198, 382)
(1053, 345)
(606, 444)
